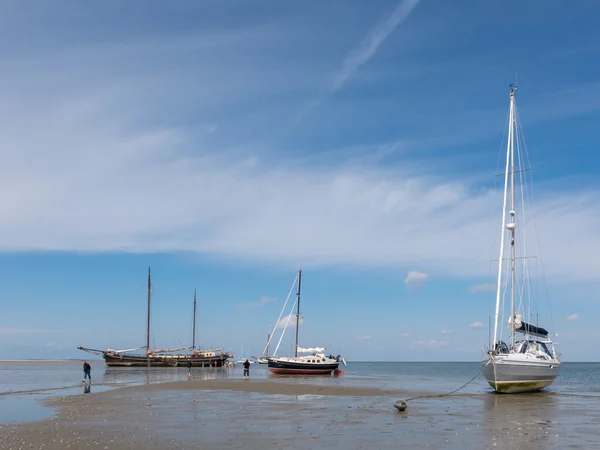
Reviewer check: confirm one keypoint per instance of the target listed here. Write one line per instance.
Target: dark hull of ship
(119, 360)
(297, 368)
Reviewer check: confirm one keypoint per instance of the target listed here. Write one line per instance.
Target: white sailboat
(531, 363)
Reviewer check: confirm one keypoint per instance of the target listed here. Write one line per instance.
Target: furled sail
(527, 328)
(311, 350)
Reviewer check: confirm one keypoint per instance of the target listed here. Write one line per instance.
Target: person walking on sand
(246, 369)
(189, 372)
(87, 370)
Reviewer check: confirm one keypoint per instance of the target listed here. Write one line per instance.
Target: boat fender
(401, 405)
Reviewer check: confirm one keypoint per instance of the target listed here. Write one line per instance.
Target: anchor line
(401, 408)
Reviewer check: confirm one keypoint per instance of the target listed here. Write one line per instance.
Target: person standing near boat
(246, 368)
(87, 370)
(189, 367)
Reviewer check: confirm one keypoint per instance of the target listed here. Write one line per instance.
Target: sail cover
(311, 350)
(527, 328)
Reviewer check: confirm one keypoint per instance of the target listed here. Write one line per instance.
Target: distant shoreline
(47, 360)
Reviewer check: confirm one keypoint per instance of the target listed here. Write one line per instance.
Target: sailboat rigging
(162, 357)
(532, 363)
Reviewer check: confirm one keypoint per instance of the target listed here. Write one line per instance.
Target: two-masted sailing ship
(162, 357)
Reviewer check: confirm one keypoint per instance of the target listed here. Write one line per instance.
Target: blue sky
(226, 144)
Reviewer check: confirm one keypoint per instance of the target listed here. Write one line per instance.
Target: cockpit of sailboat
(531, 347)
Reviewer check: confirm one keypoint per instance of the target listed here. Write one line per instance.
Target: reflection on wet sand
(87, 389)
(141, 375)
(520, 421)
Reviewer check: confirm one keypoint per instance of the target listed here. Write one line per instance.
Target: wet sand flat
(263, 387)
(213, 414)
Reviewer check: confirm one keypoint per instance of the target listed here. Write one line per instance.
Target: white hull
(514, 373)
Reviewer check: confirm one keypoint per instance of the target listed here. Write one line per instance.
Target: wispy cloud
(405, 334)
(477, 325)
(263, 301)
(14, 331)
(364, 52)
(482, 288)
(104, 155)
(291, 323)
(368, 47)
(573, 317)
(445, 331)
(415, 280)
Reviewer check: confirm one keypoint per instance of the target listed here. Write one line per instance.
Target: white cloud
(263, 301)
(445, 331)
(415, 280)
(405, 334)
(292, 321)
(364, 51)
(363, 338)
(105, 172)
(573, 317)
(477, 325)
(368, 47)
(482, 288)
(215, 205)
(430, 344)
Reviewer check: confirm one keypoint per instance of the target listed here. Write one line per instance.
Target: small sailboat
(315, 362)
(531, 363)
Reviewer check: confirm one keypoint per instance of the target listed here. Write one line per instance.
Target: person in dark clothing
(189, 367)
(246, 369)
(87, 370)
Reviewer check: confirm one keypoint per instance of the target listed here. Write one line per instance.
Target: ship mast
(512, 225)
(298, 309)
(194, 326)
(148, 323)
(268, 340)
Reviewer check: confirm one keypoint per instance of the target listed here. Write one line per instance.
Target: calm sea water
(24, 384)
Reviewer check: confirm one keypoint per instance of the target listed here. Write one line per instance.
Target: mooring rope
(401, 405)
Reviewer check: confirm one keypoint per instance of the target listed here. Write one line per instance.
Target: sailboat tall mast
(509, 148)
(148, 323)
(512, 225)
(298, 310)
(194, 325)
